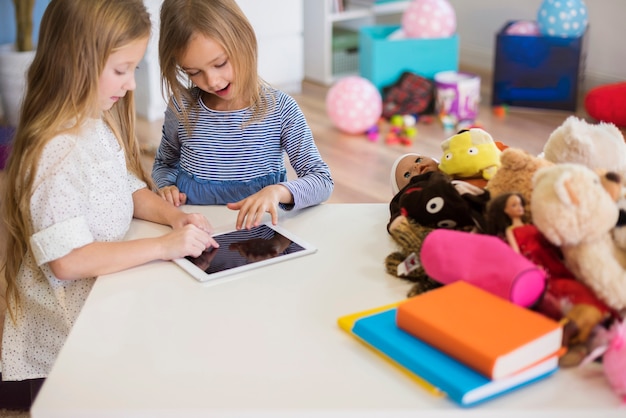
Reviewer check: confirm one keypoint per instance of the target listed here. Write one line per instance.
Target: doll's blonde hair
(75, 40)
(225, 23)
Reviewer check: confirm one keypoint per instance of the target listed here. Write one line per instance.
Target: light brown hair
(224, 22)
(75, 40)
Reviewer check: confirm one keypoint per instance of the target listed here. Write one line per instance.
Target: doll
(564, 294)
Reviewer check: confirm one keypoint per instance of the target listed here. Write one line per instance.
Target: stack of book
(461, 340)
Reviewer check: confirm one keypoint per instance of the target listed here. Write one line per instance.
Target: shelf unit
(320, 24)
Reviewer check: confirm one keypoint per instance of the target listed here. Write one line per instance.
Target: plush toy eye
(448, 156)
(434, 205)
(472, 151)
(447, 223)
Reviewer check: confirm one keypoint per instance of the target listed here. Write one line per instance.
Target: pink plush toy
(483, 260)
(613, 353)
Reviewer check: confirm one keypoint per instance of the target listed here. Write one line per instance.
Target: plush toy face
(570, 204)
(597, 146)
(470, 153)
(431, 200)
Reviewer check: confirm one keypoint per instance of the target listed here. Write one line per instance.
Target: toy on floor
(607, 103)
(412, 94)
(354, 104)
(402, 130)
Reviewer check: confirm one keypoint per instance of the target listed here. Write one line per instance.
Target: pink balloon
(429, 19)
(354, 104)
(524, 28)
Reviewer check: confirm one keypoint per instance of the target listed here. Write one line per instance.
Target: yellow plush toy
(471, 153)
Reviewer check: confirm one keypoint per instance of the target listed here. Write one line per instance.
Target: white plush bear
(597, 146)
(574, 211)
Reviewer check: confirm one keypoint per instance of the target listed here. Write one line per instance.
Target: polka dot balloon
(429, 19)
(523, 28)
(354, 104)
(564, 18)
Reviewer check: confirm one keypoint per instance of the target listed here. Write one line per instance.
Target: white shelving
(320, 23)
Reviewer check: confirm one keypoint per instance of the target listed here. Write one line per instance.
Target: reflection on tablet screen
(238, 248)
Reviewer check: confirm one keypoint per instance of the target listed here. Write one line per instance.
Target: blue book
(460, 383)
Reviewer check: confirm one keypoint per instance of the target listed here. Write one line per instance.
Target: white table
(153, 342)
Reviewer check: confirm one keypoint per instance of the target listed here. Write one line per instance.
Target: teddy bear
(470, 154)
(516, 175)
(432, 199)
(597, 146)
(574, 211)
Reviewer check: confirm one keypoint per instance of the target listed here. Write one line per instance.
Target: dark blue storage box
(538, 71)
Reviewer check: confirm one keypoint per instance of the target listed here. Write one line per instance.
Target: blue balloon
(563, 18)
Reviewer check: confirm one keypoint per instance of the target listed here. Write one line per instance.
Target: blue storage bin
(382, 61)
(538, 71)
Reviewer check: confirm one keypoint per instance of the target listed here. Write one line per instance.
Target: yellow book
(347, 323)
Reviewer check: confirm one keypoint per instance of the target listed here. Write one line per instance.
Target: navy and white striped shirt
(222, 152)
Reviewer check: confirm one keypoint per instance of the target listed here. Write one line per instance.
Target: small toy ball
(429, 19)
(354, 104)
(523, 28)
(564, 18)
(500, 111)
(373, 133)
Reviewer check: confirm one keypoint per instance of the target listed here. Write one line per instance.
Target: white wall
(478, 21)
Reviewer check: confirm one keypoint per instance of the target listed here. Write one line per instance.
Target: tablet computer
(245, 249)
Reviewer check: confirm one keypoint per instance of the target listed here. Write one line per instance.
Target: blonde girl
(74, 180)
(226, 132)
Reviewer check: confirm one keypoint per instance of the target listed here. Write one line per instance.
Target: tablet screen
(244, 249)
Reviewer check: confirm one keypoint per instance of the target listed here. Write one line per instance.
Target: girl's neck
(213, 102)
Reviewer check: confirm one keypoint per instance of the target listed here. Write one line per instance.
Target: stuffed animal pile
(574, 197)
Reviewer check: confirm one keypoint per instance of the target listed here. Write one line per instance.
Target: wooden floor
(360, 168)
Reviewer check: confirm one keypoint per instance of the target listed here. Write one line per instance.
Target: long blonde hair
(224, 22)
(75, 40)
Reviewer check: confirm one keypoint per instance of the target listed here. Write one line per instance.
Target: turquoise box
(382, 61)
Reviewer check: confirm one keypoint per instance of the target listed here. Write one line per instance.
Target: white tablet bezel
(204, 277)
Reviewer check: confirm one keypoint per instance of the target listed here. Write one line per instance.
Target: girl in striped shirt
(226, 132)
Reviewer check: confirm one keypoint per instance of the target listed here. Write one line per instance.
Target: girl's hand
(198, 220)
(188, 240)
(173, 195)
(252, 208)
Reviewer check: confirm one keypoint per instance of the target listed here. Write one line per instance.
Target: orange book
(491, 335)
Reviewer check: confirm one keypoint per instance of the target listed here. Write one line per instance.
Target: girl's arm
(165, 167)
(314, 184)
(150, 207)
(100, 258)
(191, 236)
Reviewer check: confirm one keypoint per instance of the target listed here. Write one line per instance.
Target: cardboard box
(538, 71)
(382, 61)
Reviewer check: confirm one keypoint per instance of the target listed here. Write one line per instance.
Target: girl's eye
(221, 65)
(193, 73)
